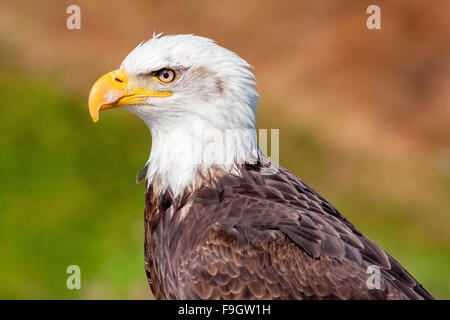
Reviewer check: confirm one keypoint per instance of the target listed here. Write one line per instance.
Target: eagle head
(197, 98)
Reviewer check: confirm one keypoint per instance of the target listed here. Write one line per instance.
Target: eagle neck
(182, 157)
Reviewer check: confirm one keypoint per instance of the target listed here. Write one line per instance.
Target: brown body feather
(257, 236)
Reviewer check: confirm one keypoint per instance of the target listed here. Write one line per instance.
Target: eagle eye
(165, 75)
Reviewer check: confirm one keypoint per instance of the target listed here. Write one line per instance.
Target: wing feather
(273, 237)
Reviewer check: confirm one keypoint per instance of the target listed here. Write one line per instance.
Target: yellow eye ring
(165, 75)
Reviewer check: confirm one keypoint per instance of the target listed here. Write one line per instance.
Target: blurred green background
(363, 116)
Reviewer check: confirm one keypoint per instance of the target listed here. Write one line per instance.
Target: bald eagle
(221, 220)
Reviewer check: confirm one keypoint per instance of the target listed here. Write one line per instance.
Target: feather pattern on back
(254, 236)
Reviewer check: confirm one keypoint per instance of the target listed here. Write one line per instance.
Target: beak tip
(94, 117)
(105, 92)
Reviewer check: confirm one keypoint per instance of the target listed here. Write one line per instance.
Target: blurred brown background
(364, 117)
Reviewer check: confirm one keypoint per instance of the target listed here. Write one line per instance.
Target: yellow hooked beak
(112, 91)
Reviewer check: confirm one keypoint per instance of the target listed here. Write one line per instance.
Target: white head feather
(209, 120)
